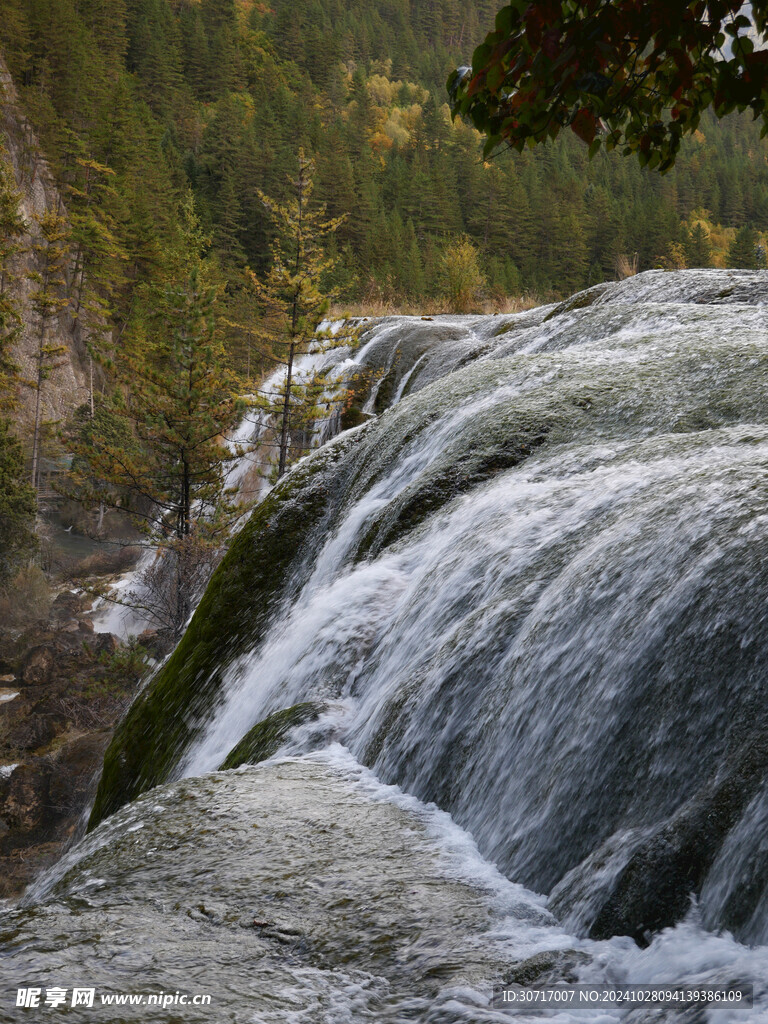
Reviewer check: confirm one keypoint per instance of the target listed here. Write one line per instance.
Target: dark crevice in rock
(654, 890)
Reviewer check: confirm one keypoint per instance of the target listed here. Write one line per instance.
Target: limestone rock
(68, 385)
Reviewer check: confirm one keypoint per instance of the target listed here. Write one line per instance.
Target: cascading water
(255, 438)
(532, 592)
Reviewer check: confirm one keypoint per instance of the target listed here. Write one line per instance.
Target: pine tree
(181, 399)
(698, 248)
(99, 259)
(17, 497)
(293, 303)
(413, 269)
(17, 504)
(248, 358)
(48, 300)
(229, 219)
(196, 54)
(12, 229)
(573, 257)
(742, 252)
(160, 452)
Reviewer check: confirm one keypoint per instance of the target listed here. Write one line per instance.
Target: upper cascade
(532, 590)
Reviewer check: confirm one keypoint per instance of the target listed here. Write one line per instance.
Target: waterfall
(524, 606)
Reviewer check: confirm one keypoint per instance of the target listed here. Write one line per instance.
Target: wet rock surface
(655, 888)
(338, 906)
(266, 738)
(550, 967)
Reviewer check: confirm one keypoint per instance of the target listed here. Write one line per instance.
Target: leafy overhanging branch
(627, 74)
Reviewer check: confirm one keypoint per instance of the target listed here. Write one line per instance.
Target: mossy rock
(354, 417)
(448, 480)
(266, 737)
(581, 300)
(385, 392)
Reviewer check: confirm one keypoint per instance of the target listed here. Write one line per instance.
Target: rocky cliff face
(63, 687)
(67, 386)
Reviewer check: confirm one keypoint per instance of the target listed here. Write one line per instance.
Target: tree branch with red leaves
(634, 75)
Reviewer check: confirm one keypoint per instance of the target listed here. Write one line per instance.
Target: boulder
(65, 606)
(104, 643)
(38, 665)
(547, 968)
(38, 730)
(26, 803)
(655, 887)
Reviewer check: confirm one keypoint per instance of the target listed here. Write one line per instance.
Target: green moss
(507, 327)
(387, 388)
(230, 619)
(581, 300)
(267, 736)
(353, 417)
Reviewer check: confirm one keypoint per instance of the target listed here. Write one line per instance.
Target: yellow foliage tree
(462, 276)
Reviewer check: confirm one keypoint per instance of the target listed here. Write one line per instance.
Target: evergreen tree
(247, 356)
(17, 505)
(293, 303)
(698, 248)
(48, 300)
(169, 469)
(180, 399)
(17, 498)
(99, 259)
(12, 229)
(742, 252)
(572, 260)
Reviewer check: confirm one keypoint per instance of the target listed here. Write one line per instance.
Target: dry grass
(626, 266)
(378, 307)
(110, 562)
(26, 599)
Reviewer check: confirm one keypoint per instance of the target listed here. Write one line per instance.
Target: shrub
(462, 278)
(26, 598)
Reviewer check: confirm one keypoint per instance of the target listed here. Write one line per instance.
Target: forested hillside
(137, 100)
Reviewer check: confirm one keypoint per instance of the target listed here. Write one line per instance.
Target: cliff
(67, 386)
